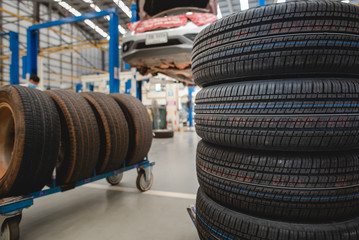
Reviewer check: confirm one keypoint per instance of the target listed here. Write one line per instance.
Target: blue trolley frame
(114, 55)
(11, 208)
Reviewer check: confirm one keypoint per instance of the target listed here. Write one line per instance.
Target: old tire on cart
(291, 186)
(218, 222)
(29, 140)
(140, 127)
(115, 179)
(163, 133)
(285, 114)
(10, 229)
(80, 138)
(114, 135)
(283, 40)
(141, 183)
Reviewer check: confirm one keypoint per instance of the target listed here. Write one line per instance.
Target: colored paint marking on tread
(269, 45)
(277, 196)
(279, 106)
(198, 216)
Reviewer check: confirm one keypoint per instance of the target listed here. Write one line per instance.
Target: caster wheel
(10, 230)
(141, 182)
(115, 179)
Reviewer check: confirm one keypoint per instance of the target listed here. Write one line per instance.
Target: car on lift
(161, 42)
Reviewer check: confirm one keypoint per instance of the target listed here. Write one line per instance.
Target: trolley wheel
(115, 179)
(10, 229)
(141, 183)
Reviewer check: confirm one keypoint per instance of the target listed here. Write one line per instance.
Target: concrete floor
(101, 211)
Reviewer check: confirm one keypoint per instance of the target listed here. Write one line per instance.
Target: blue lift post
(14, 48)
(33, 34)
(134, 18)
(190, 110)
(262, 2)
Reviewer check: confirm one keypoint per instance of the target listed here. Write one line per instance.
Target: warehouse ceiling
(77, 7)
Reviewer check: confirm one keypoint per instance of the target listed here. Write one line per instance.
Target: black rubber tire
(115, 179)
(12, 229)
(296, 17)
(288, 40)
(163, 133)
(140, 127)
(80, 138)
(31, 128)
(301, 187)
(217, 222)
(287, 115)
(141, 182)
(114, 135)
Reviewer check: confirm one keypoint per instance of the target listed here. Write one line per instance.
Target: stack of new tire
(76, 134)
(279, 119)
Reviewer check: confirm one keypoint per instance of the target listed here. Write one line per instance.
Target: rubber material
(301, 17)
(141, 182)
(291, 39)
(288, 115)
(315, 187)
(114, 135)
(34, 143)
(163, 133)
(217, 222)
(80, 139)
(140, 127)
(12, 228)
(284, 97)
(287, 56)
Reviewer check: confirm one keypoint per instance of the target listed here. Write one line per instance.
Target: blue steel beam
(32, 49)
(14, 67)
(114, 54)
(32, 43)
(190, 110)
(14, 48)
(134, 10)
(139, 90)
(67, 20)
(24, 66)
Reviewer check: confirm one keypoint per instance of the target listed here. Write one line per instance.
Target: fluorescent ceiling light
(123, 7)
(72, 10)
(121, 29)
(346, 1)
(219, 13)
(244, 4)
(98, 9)
(280, 1)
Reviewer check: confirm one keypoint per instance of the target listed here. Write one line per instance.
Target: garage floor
(101, 211)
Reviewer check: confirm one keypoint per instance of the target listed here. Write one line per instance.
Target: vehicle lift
(11, 208)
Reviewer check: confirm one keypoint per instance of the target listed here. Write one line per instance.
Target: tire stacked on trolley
(279, 122)
(76, 134)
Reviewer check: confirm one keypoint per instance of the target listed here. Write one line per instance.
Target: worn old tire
(140, 127)
(80, 138)
(114, 135)
(29, 140)
(163, 133)
(287, 114)
(217, 222)
(291, 39)
(10, 229)
(304, 187)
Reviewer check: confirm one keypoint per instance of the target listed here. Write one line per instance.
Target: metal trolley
(11, 208)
